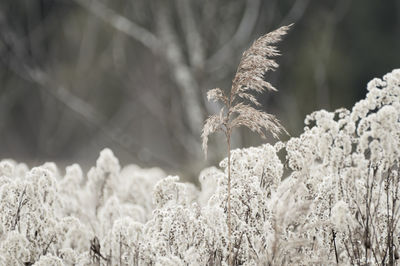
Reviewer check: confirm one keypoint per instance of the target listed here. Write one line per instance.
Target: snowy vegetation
(328, 196)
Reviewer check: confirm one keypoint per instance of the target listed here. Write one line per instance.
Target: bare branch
(296, 12)
(22, 201)
(122, 24)
(181, 72)
(241, 36)
(48, 245)
(192, 34)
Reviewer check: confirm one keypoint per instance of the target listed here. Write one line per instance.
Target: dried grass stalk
(249, 79)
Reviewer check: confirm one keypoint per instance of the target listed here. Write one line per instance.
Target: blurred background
(80, 75)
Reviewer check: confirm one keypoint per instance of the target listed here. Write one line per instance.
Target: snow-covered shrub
(337, 204)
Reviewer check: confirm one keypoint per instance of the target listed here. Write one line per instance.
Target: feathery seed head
(249, 78)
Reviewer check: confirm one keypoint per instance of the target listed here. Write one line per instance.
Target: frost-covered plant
(350, 161)
(249, 78)
(337, 204)
(45, 218)
(30, 211)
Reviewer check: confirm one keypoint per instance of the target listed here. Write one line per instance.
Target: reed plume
(239, 106)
